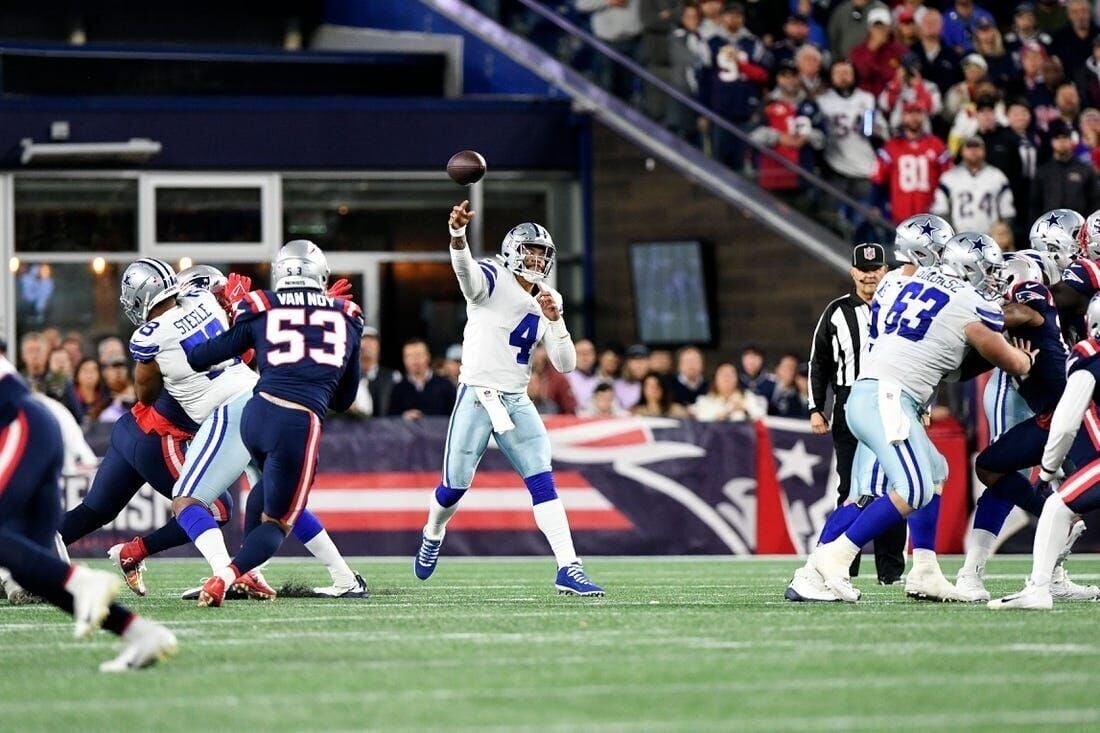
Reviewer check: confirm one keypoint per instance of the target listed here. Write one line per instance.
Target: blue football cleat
(425, 561)
(572, 581)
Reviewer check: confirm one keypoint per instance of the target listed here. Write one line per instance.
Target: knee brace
(541, 486)
(448, 497)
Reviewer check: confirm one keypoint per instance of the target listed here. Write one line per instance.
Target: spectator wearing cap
(688, 56)
(787, 400)
(908, 167)
(960, 22)
(422, 391)
(376, 382)
(690, 381)
(989, 43)
(839, 340)
(848, 25)
(752, 376)
(583, 378)
(1024, 31)
(628, 387)
(939, 63)
(1064, 181)
(1050, 15)
(973, 195)
(909, 86)
(905, 25)
(796, 34)
(618, 23)
(734, 83)
(1087, 78)
(878, 56)
(1073, 43)
(966, 91)
(791, 124)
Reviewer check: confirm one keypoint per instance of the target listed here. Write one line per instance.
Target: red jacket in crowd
(877, 68)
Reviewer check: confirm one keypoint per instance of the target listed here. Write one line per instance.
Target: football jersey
(847, 150)
(972, 202)
(167, 339)
(1082, 275)
(919, 327)
(501, 332)
(1047, 379)
(1086, 355)
(912, 169)
(307, 346)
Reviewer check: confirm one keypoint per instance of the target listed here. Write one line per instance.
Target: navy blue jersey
(172, 411)
(1086, 355)
(307, 346)
(1047, 380)
(13, 392)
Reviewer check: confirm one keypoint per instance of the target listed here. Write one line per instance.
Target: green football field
(677, 645)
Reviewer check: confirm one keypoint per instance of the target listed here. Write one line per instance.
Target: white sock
(849, 548)
(1050, 535)
(78, 574)
(924, 558)
(324, 549)
(438, 516)
(550, 518)
(979, 546)
(211, 544)
(62, 551)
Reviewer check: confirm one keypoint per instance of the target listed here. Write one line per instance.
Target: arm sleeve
(1067, 420)
(222, 347)
(821, 363)
(475, 279)
(348, 386)
(559, 347)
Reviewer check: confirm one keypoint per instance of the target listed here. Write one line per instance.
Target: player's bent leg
(346, 583)
(258, 547)
(1054, 525)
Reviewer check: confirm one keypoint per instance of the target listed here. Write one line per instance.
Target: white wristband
(557, 328)
(456, 233)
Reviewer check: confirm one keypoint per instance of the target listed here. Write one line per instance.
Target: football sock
(80, 521)
(203, 531)
(441, 507)
(924, 557)
(259, 546)
(1050, 535)
(61, 549)
(1019, 491)
(991, 512)
(164, 538)
(877, 517)
(922, 525)
(309, 532)
(550, 517)
(839, 521)
(979, 546)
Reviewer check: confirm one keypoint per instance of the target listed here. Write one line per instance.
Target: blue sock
(541, 486)
(307, 526)
(922, 525)
(195, 520)
(1019, 491)
(165, 538)
(876, 518)
(448, 497)
(838, 521)
(991, 512)
(258, 547)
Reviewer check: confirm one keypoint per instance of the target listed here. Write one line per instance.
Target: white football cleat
(356, 589)
(1075, 531)
(832, 563)
(146, 643)
(1064, 589)
(927, 583)
(1031, 598)
(970, 588)
(92, 592)
(808, 586)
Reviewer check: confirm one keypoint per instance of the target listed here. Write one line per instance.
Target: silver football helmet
(1090, 236)
(300, 264)
(975, 258)
(145, 283)
(920, 239)
(1061, 245)
(528, 251)
(206, 277)
(1018, 269)
(1052, 274)
(1092, 315)
(1067, 220)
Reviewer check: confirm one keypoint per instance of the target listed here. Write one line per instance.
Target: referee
(839, 340)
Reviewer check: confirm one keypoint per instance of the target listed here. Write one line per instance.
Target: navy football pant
(283, 442)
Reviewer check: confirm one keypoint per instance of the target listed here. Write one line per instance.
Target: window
(185, 214)
(70, 297)
(75, 214)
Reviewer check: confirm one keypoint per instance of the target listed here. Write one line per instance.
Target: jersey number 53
(287, 341)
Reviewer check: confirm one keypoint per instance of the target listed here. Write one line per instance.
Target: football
(466, 167)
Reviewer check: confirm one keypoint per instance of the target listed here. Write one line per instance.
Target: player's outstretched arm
(472, 278)
(992, 345)
(223, 347)
(1066, 421)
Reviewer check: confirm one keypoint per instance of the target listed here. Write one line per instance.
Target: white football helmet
(145, 283)
(206, 277)
(975, 258)
(1018, 269)
(528, 251)
(1090, 236)
(1052, 274)
(300, 264)
(1060, 244)
(1067, 220)
(1092, 315)
(920, 239)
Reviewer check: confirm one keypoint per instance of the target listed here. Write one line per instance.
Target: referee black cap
(868, 256)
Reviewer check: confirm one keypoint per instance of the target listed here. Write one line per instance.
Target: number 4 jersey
(168, 338)
(917, 329)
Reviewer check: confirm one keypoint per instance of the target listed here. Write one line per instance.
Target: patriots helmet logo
(1023, 296)
(1070, 274)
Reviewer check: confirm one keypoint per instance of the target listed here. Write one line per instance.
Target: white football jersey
(847, 150)
(166, 339)
(502, 331)
(917, 326)
(973, 202)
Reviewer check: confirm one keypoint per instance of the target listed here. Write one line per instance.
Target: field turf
(678, 645)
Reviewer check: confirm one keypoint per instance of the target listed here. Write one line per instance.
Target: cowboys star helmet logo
(927, 228)
(976, 245)
(1054, 220)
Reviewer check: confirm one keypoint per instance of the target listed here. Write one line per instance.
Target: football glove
(236, 287)
(339, 289)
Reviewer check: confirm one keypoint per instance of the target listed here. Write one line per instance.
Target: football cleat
(1075, 531)
(146, 643)
(927, 583)
(427, 558)
(831, 564)
(1031, 598)
(92, 592)
(356, 590)
(808, 586)
(1064, 589)
(212, 593)
(123, 555)
(573, 581)
(970, 588)
(253, 585)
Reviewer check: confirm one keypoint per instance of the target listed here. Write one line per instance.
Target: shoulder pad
(1030, 293)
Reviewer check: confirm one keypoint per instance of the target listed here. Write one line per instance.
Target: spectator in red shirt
(909, 166)
(877, 58)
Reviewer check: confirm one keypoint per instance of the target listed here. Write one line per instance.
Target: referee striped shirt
(840, 340)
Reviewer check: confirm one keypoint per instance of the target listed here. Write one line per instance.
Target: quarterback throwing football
(509, 310)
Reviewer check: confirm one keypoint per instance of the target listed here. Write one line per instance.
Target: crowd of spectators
(879, 98)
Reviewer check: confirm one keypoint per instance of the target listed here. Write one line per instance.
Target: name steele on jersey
(193, 319)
